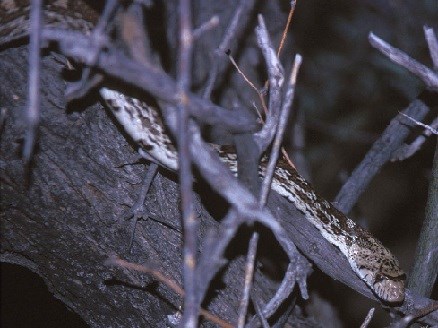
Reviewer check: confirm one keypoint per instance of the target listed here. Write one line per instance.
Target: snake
(367, 256)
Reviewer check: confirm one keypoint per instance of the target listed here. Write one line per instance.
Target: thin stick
(282, 292)
(247, 80)
(380, 152)
(432, 43)
(269, 131)
(88, 81)
(33, 109)
(293, 274)
(137, 211)
(207, 26)
(429, 77)
(286, 28)
(427, 127)
(190, 317)
(258, 309)
(266, 185)
(252, 85)
(368, 318)
(406, 321)
(264, 137)
(407, 150)
(249, 274)
(237, 24)
(391, 139)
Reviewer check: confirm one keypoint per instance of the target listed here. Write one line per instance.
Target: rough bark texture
(65, 223)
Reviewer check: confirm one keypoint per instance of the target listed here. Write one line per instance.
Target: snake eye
(379, 277)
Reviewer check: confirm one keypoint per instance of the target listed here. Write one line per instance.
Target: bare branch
(207, 26)
(249, 273)
(297, 271)
(407, 150)
(408, 319)
(264, 137)
(429, 77)
(190, 224)
(432, 42)
(284, 115)
(381, 152)
(286, 27)
(235, 27)
(114, 260)
(33, 109)
(242, 74)
(368, 318)
(90, 80)
(137, 211)
(98, 33)
(211, 259)
(267, 180)
(427, 127)
(258, 309)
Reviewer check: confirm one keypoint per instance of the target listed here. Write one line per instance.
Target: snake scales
(368, 258)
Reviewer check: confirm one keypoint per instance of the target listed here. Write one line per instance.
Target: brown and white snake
(368, 258)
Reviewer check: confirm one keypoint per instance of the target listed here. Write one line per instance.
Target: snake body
(368, 258)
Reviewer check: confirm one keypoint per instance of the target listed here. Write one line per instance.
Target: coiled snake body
(368, 258)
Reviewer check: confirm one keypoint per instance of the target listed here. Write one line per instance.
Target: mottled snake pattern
(368, 258)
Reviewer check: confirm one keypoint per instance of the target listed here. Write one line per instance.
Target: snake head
(380, 270)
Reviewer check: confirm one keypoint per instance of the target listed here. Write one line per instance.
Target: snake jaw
(390, 290)
(387, 288)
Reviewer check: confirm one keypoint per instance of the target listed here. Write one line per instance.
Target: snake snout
(391, 291)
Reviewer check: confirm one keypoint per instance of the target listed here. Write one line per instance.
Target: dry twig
(33, 109)
(432, 43)
(249, 275)
(235, 27)
(407, 150)
(368, 318)
(380, 153)
(190, 225)
(429, 77)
